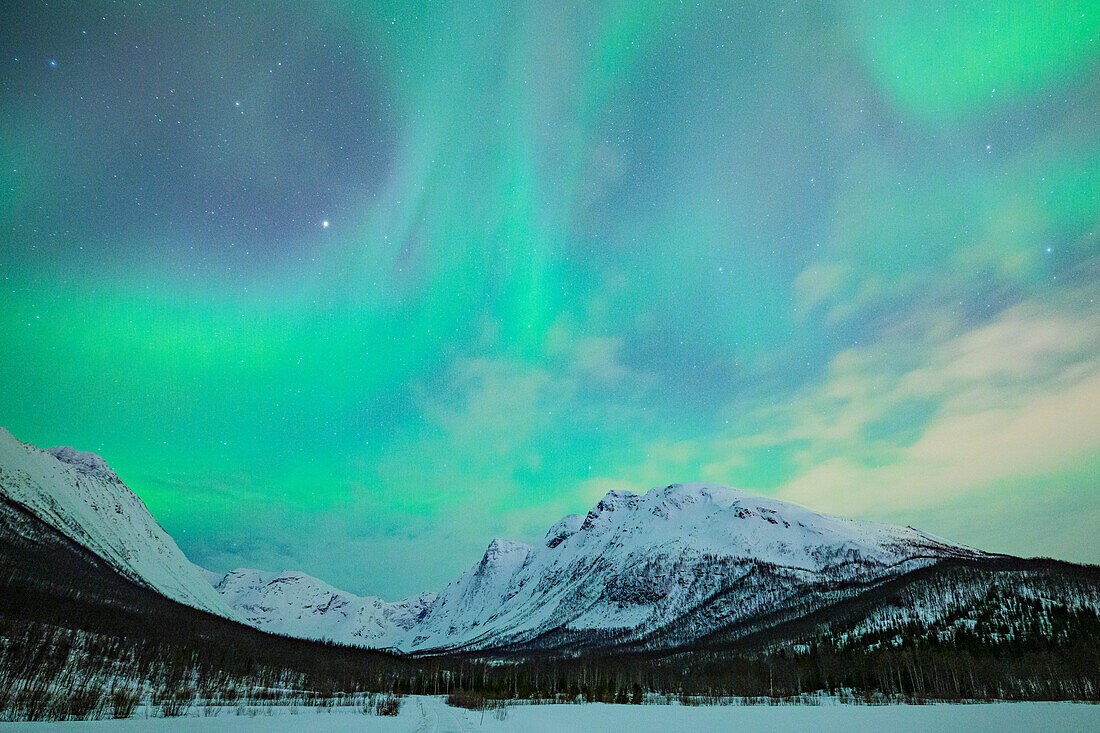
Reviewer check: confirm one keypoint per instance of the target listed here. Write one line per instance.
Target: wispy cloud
(916, 423)
(1015, 397)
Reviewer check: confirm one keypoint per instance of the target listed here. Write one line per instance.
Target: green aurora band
(843, 254)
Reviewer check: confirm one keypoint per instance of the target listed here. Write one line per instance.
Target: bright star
(325, 224)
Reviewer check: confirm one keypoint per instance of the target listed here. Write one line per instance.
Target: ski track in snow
(437, 718)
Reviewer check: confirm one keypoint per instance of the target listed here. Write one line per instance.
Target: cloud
(913, 424)
(1017, 396)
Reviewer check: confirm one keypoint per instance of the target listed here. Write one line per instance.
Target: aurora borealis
(352, 288)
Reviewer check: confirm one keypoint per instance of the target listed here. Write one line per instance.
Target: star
(324, 224)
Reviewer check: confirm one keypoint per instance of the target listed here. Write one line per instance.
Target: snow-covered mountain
(296, 604)
(639, 563)
(662, 568)
(78, 494)
(634, 566)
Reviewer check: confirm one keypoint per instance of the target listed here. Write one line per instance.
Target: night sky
(352, 288)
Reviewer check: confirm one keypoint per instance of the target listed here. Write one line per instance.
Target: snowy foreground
(427, 714)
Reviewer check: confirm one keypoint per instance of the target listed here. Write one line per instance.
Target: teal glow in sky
(352, 288)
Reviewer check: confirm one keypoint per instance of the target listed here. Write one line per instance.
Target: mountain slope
(657, 570)
(296, 604)
(638, 563)
(80, 496)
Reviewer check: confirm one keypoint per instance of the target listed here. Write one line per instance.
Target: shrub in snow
(123, 702)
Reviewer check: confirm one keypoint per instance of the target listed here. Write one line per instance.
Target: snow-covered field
(427, 714)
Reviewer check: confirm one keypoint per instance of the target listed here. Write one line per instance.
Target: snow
(430, 714)
(566, 527)
(83, 460)
(78, 494)
(211, 577)
(297, 604)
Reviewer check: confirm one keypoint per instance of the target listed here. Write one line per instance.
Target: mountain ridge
(1035, 638)
(492, 604)
(665, 568)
